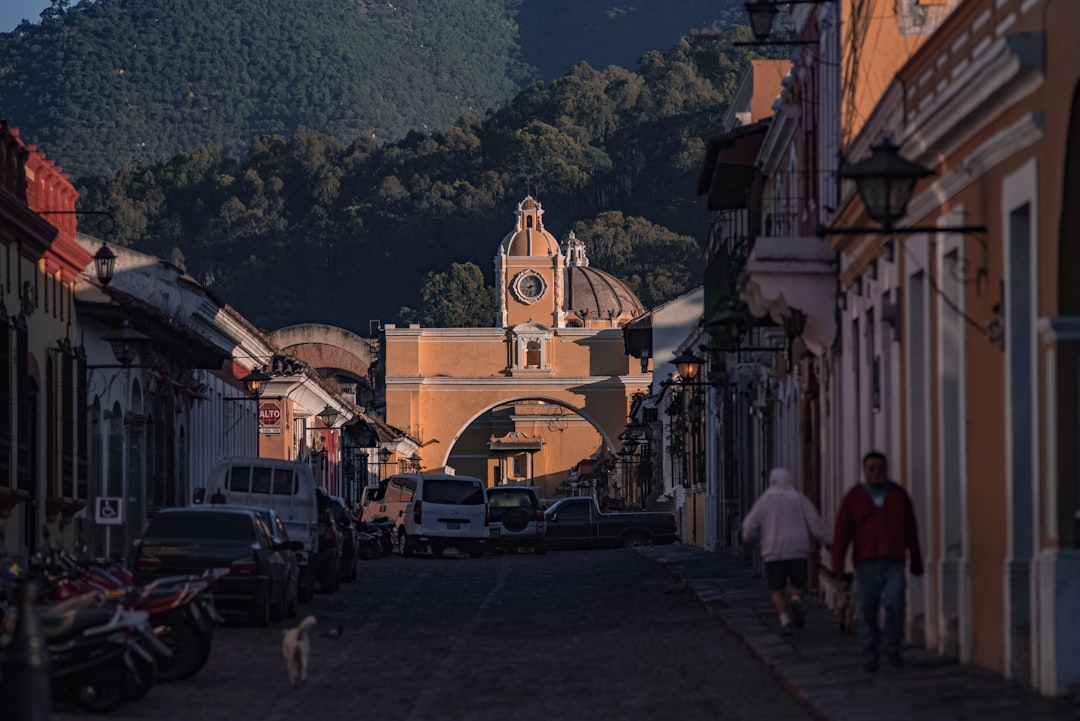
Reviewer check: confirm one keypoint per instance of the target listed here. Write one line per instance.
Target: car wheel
(635, 539)
(515, 519)
(277, 610)
(306, 592)
(476, 553)
(540, 547)
(261, 616)
(404, 547)
(437, 551)
(291, 605)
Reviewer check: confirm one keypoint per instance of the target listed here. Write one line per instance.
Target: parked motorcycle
(180, 609)
(375, 538)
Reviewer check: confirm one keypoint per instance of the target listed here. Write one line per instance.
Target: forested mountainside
(104, 84)
(306, 227)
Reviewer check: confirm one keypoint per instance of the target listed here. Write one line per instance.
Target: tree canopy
(306, 227)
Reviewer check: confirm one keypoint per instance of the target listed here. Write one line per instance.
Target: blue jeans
(880, 582)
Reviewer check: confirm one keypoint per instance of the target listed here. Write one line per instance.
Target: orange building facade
(527, 400)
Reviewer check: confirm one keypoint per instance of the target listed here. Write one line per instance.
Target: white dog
(296, 647)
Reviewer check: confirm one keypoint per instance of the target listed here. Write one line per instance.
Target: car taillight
(242, 566)
(299, 557)
(147, 562)
(328, 536)
(416, 512)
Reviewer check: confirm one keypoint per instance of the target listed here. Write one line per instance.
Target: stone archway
(335, 352)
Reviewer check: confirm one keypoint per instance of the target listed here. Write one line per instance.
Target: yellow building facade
(548, 386)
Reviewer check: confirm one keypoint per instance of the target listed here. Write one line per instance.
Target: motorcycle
(375, 538)
(101, 655)
(180, 609)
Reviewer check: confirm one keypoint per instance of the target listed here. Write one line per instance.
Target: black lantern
(885, 182)
(328, 415)
(688, 365)
(761, 15)
(126, 343)
(104, 264)
(254, 382)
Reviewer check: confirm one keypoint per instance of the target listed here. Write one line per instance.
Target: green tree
(458, 298)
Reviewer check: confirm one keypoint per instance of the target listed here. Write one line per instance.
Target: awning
(729, 170)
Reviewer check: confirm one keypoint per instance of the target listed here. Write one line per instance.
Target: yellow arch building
(549, 386)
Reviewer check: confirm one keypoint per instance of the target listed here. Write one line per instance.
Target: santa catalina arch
(526, 400)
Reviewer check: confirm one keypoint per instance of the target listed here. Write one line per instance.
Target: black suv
(328, 557)
(347, 525)
(517, 519)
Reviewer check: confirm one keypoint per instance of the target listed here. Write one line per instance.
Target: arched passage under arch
(534, 439)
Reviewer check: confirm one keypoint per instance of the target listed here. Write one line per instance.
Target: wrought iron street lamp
(255, 382)
(126, 344)
(104, 264)
(885, 182)
(384, 460)
(761, 14)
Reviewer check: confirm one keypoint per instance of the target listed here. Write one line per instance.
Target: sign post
(108, 511)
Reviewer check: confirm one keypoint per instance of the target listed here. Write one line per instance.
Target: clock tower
(529, 271)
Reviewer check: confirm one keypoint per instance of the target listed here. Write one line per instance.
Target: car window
(204, 524)
(510, 499)
(247, 479)
(280, 526)
(574, 512)
(408, 489)
(466, 493)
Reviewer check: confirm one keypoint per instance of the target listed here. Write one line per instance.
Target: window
(575, 512)
(276, 481)
(202, 524)
(530, 343)
(466, 493)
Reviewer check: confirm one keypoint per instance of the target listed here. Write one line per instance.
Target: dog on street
(843, 597)
(296, 647)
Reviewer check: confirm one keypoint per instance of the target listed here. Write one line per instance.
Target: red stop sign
(269, 414)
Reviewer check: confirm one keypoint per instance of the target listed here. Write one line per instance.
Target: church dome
(592, 296)
(528, 238)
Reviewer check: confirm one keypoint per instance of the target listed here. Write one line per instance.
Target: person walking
(786, 523)
(877, 519)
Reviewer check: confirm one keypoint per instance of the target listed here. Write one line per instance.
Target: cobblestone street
(573, 635)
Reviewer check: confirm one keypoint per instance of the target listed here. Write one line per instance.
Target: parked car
(287, 487)
(578, 523)
(349, 540)
(182, 541)
(328, 554)
(434, 512)
(280, 535)
(516, 519)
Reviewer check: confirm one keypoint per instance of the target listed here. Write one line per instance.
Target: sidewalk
(822, 668)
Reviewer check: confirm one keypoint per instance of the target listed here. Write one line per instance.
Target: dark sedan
(189, 540)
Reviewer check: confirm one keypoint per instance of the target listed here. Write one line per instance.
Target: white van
(434, 511)
(286, 487)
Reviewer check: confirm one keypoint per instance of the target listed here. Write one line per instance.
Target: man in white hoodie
(786, 524)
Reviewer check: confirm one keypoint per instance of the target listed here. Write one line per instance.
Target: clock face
(529, 286)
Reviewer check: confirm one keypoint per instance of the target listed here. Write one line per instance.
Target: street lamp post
(384, 459)
(328, 415)
(255, 383)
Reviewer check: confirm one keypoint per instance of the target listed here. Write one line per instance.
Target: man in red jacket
(877, 518)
